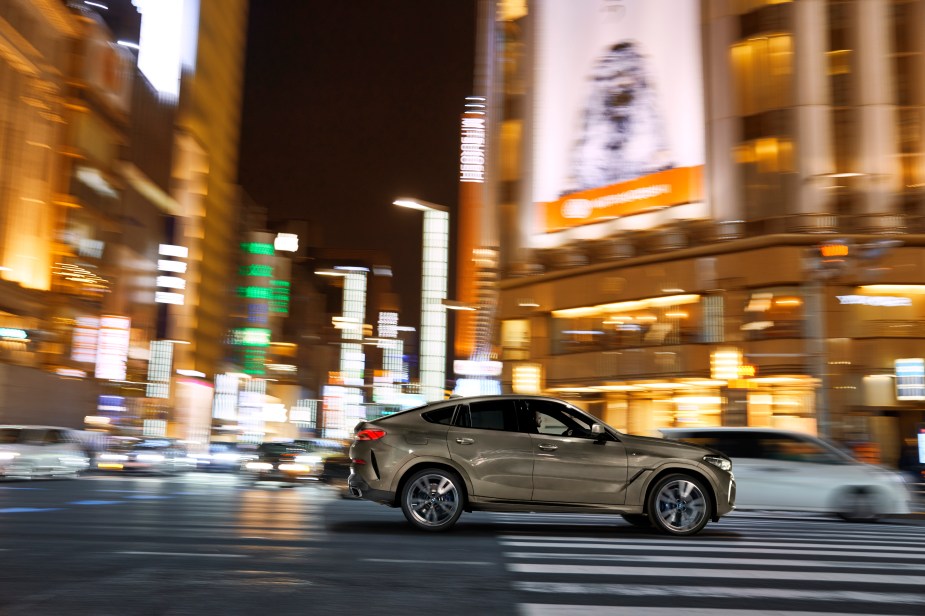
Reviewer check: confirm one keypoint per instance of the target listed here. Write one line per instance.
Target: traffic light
(830, 258)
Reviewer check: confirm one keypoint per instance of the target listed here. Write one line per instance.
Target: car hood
(664, 446)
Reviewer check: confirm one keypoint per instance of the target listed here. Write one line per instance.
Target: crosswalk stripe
(757, 562)
(700, 572)
(592, 610)
(721, 592)
(699, 544)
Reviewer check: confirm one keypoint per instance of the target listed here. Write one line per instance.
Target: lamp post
(436, 250)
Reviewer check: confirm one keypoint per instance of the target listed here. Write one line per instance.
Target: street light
(436, 251)
(337, 422)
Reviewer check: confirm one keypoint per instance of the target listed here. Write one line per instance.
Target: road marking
(28, 509)
(694, 548)
(147, 497)
(596, 543)
(19, 488)
(426, 562)
(529, 609)
(763, 562)
(740, 574)
(208, 555)
(95, 502)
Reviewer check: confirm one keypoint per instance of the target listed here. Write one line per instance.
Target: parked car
(533, 454)
(145, 455)
(784, 470)
(335, 460)
(227, 457)
(29, 452)
(286, 462)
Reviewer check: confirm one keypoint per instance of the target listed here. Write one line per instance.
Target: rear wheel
(432, 499)
(679, 505)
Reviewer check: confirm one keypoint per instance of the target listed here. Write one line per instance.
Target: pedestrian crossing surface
(745, 565)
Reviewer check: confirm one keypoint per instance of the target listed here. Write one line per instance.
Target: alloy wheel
(432, 500)
(679, 505)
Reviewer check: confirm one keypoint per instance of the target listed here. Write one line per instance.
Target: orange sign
(657, 190)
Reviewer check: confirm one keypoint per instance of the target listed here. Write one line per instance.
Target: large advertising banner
(618, 116)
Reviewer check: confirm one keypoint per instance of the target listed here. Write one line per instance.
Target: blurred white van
(784, 470)
(28, 452)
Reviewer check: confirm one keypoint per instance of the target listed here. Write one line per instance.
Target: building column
(878, 148)
(812, 112)
(724, 128)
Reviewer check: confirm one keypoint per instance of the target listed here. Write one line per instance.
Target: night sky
(349, 104)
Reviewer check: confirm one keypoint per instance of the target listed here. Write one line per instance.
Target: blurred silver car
(533, 454)
(145, 455)
(784, 470)
(28, 452)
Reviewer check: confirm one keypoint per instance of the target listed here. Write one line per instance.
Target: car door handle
(548, 446)
(465, 441)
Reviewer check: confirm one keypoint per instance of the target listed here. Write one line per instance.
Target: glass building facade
(742, 175)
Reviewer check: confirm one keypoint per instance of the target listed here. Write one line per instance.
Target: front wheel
(679, 505)
(858, 505)
(432, 499)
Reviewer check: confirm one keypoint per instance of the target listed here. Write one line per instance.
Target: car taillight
(370, 435)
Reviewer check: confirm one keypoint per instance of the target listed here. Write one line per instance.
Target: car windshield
(22, 436)
(767, 446)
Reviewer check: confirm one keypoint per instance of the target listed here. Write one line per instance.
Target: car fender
(409, 464)
(639, 488)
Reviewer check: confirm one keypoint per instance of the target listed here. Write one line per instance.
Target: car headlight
(113, 457)
(6, 456)
(259, 466)
(719, 462)
(150, 457)
(309, 459)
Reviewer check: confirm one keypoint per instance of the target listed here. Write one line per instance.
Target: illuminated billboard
(618, 119)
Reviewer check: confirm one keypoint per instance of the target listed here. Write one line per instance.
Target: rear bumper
(358, 488)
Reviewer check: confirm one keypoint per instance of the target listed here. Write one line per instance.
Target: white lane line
(738, 574)
(213, 555)
(697, 544)
(529, 609)
(701, 560)
(426, 562)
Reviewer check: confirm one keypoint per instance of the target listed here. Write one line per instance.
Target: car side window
(555, 419)
(442, 416)
(489, 415)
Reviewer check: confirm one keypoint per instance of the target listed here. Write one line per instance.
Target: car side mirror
(599, 433)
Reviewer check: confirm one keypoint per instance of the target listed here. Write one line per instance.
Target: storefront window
(641, 323)
(776, 312)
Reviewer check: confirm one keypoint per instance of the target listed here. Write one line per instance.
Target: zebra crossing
(745, 565)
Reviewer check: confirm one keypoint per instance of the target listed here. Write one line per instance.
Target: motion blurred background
(672, 213)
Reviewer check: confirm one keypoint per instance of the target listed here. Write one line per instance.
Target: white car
(784, 470)
(28, 452)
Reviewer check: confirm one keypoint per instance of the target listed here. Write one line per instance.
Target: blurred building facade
(710, 212)
(120, 233)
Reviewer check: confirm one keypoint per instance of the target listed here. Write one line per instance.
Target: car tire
(432, 499)
(858, 504)
(679, 505)
(639, 520)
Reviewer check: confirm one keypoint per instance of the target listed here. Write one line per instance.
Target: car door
(496, 455)
(572, 465)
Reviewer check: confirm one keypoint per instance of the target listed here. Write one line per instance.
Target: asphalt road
(213, 544)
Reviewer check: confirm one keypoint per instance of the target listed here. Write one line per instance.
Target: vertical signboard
(618, 120)
(112, 347)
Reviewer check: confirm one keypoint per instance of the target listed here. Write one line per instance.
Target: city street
(214, 544)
